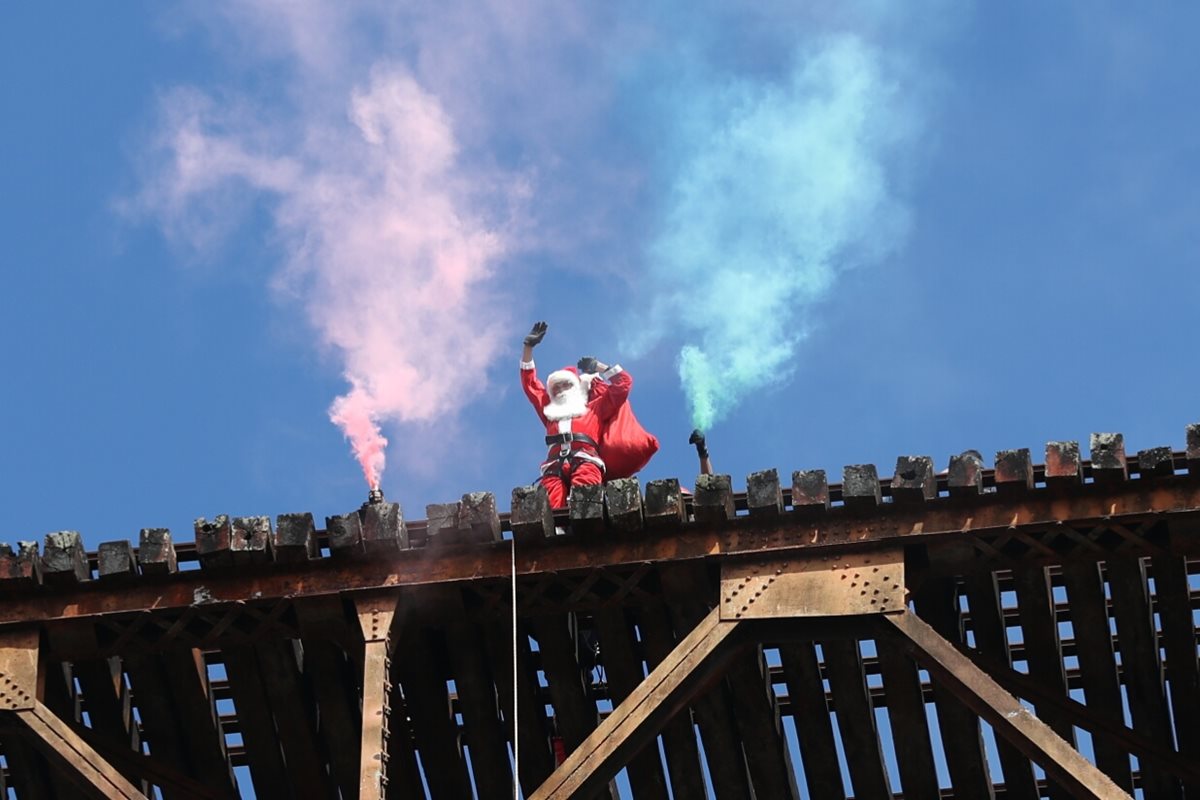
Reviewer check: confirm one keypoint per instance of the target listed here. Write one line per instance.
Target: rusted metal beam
(195, 715)
(623, 670)
(21, 678)
(760, 727)
(376, 615)
(1172, 601)
(1043, 650)
(537, 762)
(962, 740)
(1082, 716)
(159, 723)
(569, 687)
(856, 719)
(991, 640)
(295, 715)
(483, 732)
(1029, 513)
(1098, 672)
(814, 727)
(686, 591)
(910, 727)
(679, 735)
(60, 699)
(147, 768)
(74, 757)
(260, 738)
(419, 668)
(329, 639)
(1139, 649)
(978, 691)
(23, 681)
(632, 724)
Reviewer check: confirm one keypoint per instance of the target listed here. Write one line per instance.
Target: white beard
(567, 405)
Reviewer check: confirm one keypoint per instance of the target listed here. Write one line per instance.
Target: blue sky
(1022, 272)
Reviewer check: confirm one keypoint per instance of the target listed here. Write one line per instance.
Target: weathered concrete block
(623, 503)
(1063, 464)
(914, 481)
(860, 486)
(965, 475)
(213, 540)
(20, 567)
(441, 525)
(345, 535)
(586, 505)
(1156, 462)
(764, 495)
(295, 538)
(156, 552)
(383, 528)
(810, 490)
(664, 504)
(713, 501)
(1108, 457)
(1014, 470)
(478, 518)
(64, 559)
(1193, 447)
(115, 560)
(250, 540)
(531, 517)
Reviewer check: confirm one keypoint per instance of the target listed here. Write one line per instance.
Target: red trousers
(581, 473)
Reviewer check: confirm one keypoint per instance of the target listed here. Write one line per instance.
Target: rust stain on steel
(18, 669)
(840, 529)
(845, 584)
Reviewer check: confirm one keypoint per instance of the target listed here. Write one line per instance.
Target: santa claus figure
(575, 410)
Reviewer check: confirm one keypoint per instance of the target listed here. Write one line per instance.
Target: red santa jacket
(604, 400)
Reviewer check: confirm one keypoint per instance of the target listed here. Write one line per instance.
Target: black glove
(536, 334)
(588, 364)
(697, 438)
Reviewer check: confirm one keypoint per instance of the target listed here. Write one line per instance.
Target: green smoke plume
(777, 185)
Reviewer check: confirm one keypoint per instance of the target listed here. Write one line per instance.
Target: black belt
(567, 438)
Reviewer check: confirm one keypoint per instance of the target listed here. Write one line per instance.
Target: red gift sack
(625, 445)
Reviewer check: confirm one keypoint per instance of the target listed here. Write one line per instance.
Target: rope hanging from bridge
(516, 702)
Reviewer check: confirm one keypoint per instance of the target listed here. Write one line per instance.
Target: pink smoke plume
(353, 414)
(390, 241)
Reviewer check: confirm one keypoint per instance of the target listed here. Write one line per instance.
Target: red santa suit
(574, 421)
